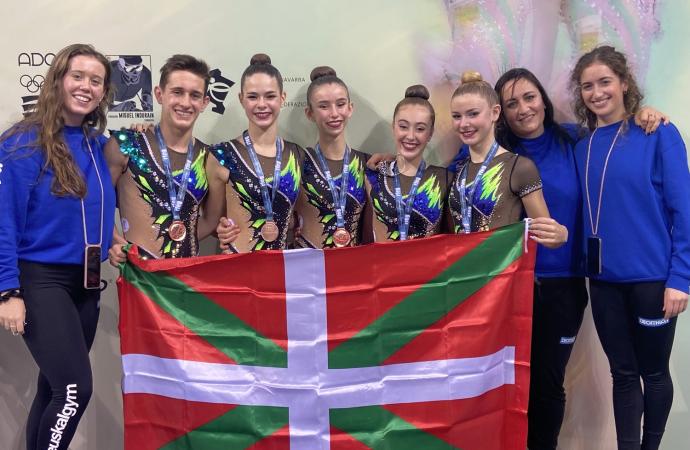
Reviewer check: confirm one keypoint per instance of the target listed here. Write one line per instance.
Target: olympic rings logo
(32, 84)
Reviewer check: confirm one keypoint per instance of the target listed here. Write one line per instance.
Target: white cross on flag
(419, 344)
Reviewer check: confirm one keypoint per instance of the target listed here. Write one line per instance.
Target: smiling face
(523, 108)
(474, 119)
(330, 109)
(412, 130)
(603, 93)
(83, 87)
(261, 99)
(182, 99)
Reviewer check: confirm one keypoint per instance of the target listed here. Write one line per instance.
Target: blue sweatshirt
(38, 226)
(556, 163)
(645, 207)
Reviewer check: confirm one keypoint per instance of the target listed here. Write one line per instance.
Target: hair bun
(260, 58)
(471, 76)
(321, 71)
(417, 90)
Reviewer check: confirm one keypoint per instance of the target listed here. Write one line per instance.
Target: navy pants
(637, 341)
(559, 305)
(61, 321)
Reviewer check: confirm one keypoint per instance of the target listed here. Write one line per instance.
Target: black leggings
(559, 305)
(637, 341)
(61, 321)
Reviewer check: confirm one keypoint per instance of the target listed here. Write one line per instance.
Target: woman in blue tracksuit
(527, 127)
(55, 229)
(637, 232)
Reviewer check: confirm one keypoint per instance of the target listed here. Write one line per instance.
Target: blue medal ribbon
(176, 196)
(268, 200)
(339, 197)
(404, 208)
(467, 198)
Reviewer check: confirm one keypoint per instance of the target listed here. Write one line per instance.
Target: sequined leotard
(427, 209)
(243, 193)
(315, 204)
(498, 198)
(143, 197)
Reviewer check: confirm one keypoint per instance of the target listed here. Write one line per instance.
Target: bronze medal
(177, 231)
(341, 237)
(269, 231)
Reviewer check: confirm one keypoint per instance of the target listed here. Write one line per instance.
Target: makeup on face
(473, 120)
(261, 99)
(603, 93)
(523, 108)
(412, 130)
(83, 87)
(330, 109)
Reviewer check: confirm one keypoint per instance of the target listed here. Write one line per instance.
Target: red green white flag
(422, 344)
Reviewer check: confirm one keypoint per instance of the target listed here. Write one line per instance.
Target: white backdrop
(378, 49)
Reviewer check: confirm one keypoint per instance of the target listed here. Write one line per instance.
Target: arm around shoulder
(675, 183)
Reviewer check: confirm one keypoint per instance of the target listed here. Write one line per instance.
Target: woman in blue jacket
(637, 232)
(55, 230)
(527, 126)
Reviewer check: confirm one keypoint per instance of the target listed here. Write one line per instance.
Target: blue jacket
(645, 207)
(38, 226)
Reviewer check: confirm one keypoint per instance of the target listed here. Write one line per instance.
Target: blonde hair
(473, 83)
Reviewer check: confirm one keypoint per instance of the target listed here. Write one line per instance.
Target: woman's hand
(675, 302)
(227, 232)
(649, 119)
(116, 255)
(548, 232)
(299, 222)
(12, 315)
(376, 158)
(141, 127)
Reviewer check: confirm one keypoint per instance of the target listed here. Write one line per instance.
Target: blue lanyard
(405, 208)
(176, 197)
(466, 202)
(268, 200)
(339, 197)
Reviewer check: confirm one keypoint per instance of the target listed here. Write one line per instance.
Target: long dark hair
(504, 134)
(320, 76)
(46, 118)
(261, 63)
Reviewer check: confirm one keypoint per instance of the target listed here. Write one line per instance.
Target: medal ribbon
(176, 196)
(595, 224)
(100, 184)
(339, 197)
(467, 198)
(268, 200)
(405, 208)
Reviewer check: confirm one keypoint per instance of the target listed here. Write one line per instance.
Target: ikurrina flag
(421, 345)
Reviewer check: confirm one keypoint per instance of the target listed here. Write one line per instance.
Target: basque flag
(422, 344)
